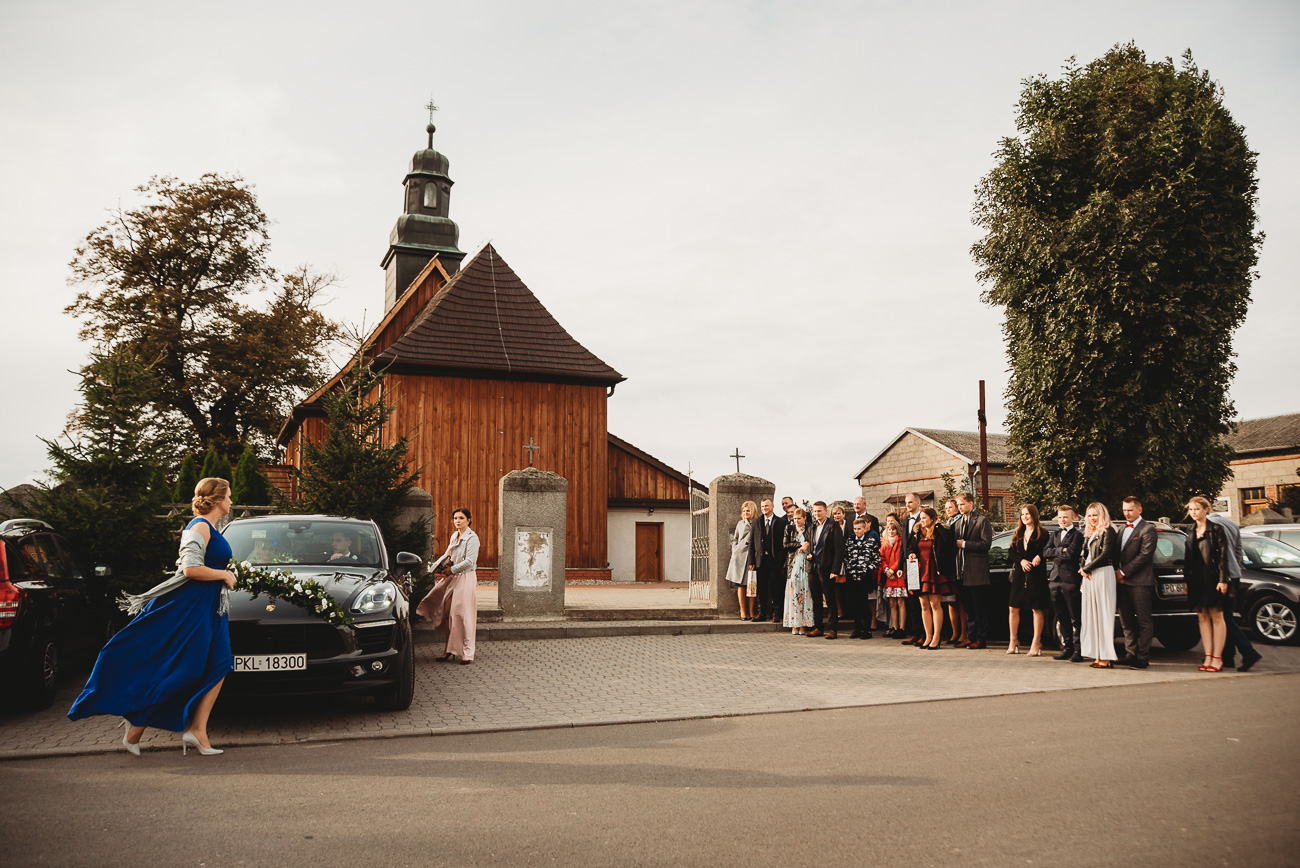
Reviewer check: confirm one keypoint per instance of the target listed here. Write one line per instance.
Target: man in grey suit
(1062, 551)
(974, 538)
(1135, 578)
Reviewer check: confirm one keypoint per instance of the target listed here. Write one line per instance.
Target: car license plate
(1174, 589)
(270, 662)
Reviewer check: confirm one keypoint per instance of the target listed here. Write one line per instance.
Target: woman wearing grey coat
(737, 568)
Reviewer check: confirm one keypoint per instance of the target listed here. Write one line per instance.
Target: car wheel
(1178, 634)
(41, 675)
(398, 696)
(1274, 620)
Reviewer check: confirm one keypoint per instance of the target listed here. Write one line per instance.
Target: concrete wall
(677, 542)
(1267, 473)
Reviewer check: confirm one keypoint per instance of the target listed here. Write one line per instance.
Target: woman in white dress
(1097, 627)
(798, 600)
(737, 569)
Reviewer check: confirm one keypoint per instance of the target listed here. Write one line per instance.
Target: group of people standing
(806, 572)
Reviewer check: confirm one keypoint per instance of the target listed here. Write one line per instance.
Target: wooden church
(478, 370)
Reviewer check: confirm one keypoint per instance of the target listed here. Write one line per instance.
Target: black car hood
(342, 584)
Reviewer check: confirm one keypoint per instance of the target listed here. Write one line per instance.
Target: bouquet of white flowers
(283, 585)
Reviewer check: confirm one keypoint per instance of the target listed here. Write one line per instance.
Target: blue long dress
(171, 654)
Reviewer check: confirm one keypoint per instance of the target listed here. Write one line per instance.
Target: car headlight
(375, 598)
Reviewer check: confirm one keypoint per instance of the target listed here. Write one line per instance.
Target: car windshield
(294, 541)
(1261, 551)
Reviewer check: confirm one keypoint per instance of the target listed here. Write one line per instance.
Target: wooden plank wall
(631, 478)
(468, 433)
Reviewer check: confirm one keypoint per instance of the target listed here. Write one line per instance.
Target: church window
(430, 195)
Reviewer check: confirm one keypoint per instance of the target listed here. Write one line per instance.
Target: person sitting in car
(341, 545)
(262, 553)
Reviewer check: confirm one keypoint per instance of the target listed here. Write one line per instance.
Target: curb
(568, 629)
(581, 724)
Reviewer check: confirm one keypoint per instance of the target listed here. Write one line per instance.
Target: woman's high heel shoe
(1013, 649)
(133, 749)
(188, 740)
(1213, 668)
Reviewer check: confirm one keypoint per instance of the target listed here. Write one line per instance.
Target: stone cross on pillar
(736, 455)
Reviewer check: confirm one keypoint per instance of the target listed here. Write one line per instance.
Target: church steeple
(424, 229)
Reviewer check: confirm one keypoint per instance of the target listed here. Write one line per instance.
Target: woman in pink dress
(455, 597)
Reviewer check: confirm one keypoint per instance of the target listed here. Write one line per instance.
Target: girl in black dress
(1028, 579)
(1208, 581)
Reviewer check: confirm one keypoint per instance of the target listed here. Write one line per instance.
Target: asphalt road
(1178, 774)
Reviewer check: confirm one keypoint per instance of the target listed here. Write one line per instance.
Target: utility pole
(984, 453)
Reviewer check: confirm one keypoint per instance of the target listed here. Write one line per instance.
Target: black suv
(283, 650)
(1175, 621)
(49, 612)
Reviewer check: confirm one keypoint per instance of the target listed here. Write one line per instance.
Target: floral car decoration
(283, 585)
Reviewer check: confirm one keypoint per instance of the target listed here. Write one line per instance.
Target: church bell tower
(424, 229)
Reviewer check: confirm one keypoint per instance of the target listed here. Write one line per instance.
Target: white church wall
(677, 542)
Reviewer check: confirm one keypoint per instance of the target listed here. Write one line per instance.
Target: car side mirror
(103, 571)
(406, 559)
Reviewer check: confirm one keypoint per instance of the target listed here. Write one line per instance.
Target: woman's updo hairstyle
(463, 511)
(207, 493)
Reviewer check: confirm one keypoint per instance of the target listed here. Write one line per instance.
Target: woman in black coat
(1028, 579)
(1208, 581)
(934, 548)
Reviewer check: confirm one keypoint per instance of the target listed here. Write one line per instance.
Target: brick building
(1266, 464)
(916, 460)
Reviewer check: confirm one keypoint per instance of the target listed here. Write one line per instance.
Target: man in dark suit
(974, 539)
(1062, 551)
(824, 567)
(1135, 578)
(914, 627)
(767, 557)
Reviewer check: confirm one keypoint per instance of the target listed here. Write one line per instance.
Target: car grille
(315, 640)
(372, 640)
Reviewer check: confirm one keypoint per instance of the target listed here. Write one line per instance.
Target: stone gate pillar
(530, 563)
(726, 495)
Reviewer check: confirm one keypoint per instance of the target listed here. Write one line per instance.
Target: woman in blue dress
(166, 667)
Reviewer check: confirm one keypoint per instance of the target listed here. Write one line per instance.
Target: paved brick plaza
(573, 682)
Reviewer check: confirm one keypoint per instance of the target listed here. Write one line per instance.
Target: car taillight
(11, 596)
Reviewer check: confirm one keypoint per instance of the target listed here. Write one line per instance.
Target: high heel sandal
(1035, 652)
(1013, 649)
(190, 740)
(1205, 667)
(132, 749)
(1212, 667)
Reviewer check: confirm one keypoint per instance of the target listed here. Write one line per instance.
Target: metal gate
(701, 578)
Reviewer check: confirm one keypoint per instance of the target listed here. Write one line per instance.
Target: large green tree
(1120, 239)
(183, 282)
(108, 492)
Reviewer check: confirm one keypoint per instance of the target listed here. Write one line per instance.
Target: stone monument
(726, 495)
(530, 571)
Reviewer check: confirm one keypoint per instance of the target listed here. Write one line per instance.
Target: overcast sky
(696, 190)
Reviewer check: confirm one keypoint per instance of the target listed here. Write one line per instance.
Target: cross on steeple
(737, 456)
(432, 107)
(531, 447)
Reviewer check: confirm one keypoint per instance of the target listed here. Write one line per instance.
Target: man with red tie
(1135, 587)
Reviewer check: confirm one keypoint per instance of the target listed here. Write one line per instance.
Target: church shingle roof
(1263, 435)
(485, 319)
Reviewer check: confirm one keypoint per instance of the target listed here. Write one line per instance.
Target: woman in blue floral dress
(798, 600)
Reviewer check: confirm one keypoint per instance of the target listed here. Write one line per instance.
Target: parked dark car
(50, 612)
(1269, 601)
(1175, 621)
(283, 650)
